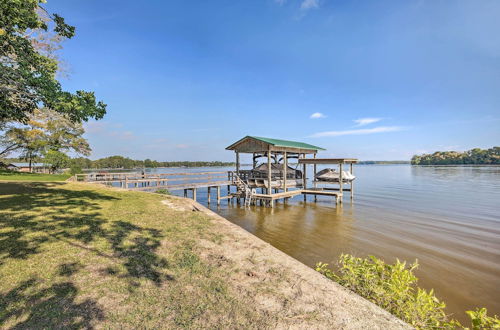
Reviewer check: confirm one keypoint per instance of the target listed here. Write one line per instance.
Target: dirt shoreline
(280, 284)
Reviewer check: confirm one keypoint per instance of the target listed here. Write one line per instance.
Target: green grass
(79, 256)
(21, 176)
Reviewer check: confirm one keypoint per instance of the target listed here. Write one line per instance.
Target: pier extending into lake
(276, 177)
(229, 181)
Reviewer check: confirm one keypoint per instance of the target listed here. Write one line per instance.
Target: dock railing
(150, 181)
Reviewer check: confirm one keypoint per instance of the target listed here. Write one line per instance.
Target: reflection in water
(446, 217)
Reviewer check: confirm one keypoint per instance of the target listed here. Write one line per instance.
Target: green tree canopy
(46, 130)
(474, 156)
(28, 73)
(56, 160)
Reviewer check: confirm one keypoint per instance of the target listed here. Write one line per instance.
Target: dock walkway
(192, 181)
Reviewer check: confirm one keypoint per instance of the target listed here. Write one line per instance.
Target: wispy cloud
(309, 4)
(317, 115)
(122, 135)
(366, 121)
(280, 2)
(361, 131)
(106, 129)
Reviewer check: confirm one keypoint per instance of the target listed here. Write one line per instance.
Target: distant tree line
(474, 156)
(119, 162)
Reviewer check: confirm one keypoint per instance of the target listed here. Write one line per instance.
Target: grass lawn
(21, 176)
(79, 256)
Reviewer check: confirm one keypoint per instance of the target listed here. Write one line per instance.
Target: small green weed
(163, 192)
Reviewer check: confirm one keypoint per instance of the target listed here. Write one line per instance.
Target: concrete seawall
(277, 283)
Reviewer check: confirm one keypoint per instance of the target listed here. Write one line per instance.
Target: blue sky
(368, 79)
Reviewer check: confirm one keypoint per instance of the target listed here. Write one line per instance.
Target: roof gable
(287, 143)
(261, 142)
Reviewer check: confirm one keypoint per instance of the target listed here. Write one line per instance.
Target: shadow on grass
(53, 307)
(34, 215)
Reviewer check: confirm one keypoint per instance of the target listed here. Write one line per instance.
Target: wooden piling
(314, 180)
(285, 168)
(341, 181)
(352, 181)
(269, 170)
(237, 163)
(304, 178)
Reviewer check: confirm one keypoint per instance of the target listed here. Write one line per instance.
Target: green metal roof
(283, 143)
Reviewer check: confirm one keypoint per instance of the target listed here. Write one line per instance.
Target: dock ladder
(242, 188)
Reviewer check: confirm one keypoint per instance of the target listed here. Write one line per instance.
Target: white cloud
(366, 121)
(280, 2)
(107, 130)
(182, 146)
(309, 4)
(362, 131)
(317, 115)
(122, 135)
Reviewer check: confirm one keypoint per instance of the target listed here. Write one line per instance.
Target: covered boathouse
(275, 175)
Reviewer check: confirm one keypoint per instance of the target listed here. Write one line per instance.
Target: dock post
(269, 177)
(341, 181)
(352, 182)
(285, 168)
(314, 180)
(218, 195)
(194, 194)
(208, 196)
(304, 179)
(185, 193)
(237, 163)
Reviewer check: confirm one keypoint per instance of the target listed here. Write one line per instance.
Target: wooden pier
(192, 182)
(275, 178)
(189, 182)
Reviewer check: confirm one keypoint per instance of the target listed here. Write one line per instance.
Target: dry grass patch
(74, 255)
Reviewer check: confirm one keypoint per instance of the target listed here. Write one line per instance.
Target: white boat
(331, 175)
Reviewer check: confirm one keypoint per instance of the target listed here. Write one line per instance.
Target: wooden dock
(269, 199)
(192, 182)
(189, 182)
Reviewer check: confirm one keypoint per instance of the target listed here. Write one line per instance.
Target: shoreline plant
(394, 288)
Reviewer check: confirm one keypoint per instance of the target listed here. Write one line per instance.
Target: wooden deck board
(321, 192)
(184, 186)
(277, 195)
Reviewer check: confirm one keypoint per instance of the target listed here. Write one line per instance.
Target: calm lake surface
(447, 217)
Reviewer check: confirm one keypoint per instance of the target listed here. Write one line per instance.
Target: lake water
(446, 217)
